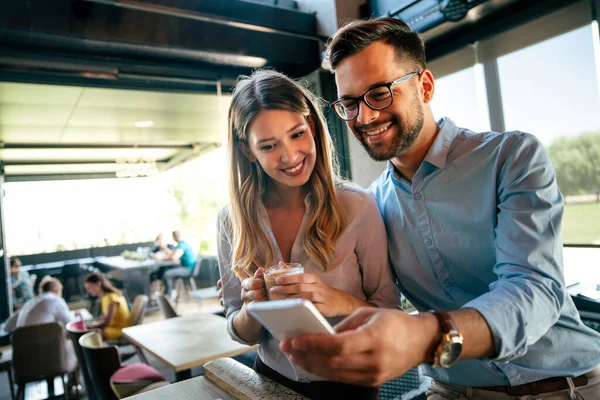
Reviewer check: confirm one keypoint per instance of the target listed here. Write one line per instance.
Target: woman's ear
(246, 150)
(312, 124)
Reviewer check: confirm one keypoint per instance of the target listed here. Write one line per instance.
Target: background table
(134, 274)
(186, 342)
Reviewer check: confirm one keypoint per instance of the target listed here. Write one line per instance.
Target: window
(550, 89)
(461, 96)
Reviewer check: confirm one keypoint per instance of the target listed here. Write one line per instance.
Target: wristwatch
(448, 351)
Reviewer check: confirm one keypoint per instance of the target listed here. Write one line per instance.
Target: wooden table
(135, 274)
(186, 342)
(195, 388)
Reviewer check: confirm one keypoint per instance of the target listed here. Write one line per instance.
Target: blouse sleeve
(379, 282)
(232, 287)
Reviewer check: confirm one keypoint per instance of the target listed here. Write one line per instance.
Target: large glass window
(66, 215)
(461, 96)
(551, 90)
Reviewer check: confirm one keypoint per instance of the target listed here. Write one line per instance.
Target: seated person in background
(115, 311)
(22, 289)
(160, 245)
(47, 307)
(185, 256)
(159, 252)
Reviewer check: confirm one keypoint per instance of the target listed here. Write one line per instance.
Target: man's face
(389, 132)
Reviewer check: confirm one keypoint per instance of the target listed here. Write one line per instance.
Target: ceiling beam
(94, 146)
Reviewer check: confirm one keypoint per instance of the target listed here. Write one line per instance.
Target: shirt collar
(438, 152)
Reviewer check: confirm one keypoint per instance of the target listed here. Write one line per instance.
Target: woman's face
(93, 289)
(283, 143)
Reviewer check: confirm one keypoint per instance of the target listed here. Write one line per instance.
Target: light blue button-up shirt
(479, 227)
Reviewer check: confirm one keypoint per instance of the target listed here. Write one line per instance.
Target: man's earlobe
(428, 86)
(246, 151)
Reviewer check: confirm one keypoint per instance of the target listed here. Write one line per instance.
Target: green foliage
(199, 188)
(577, 163)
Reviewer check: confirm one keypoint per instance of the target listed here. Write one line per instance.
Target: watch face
(450, 354)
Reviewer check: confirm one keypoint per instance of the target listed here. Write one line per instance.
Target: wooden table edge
(199, 363)
(193, 364)
(135, 342)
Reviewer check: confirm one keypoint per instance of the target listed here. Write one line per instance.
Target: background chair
(180, 286)
(103, 362)
(166, 307)
(76, 330)
(5, 365)
(138, 311)
(411, 385)
(41, 352)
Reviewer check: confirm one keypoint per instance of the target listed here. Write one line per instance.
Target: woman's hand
(329, 301)
(254, 289)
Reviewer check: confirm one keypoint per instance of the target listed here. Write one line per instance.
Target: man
(182, 254)
(474, 223)
(47, 307)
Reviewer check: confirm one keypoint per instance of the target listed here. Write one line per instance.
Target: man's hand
(329, 301)
(372, 346)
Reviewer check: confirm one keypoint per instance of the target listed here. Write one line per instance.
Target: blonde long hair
(270, 90)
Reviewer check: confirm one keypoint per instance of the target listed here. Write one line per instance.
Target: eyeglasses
(376, 98)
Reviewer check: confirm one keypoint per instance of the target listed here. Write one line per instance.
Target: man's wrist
(432, 335)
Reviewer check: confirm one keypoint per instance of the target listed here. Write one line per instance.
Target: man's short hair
(177, 235)
(358, 35)
(48, 285)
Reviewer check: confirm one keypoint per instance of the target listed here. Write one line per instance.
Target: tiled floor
(185, 306)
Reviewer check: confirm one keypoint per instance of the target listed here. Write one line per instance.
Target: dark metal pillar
(337, 127)
(5, 287)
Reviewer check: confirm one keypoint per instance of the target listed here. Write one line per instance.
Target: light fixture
(133, 167)
(143, 124)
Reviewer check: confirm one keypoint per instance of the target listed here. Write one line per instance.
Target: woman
(113, 305)
(22, 285)
(287, 204)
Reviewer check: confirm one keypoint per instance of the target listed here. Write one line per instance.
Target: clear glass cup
(274, 272)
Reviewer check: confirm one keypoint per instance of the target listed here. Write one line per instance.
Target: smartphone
(289, 318)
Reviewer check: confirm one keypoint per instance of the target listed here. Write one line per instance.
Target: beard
(406, 134)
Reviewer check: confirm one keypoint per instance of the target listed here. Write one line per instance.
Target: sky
(549, 89)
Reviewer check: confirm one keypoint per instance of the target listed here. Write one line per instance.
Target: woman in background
(113, 305)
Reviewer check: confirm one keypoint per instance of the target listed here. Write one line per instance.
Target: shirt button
(448, 283)
(417, 196)
(428, 242)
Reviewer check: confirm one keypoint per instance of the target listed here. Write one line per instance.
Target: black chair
(75, 332)
(103, 362)
(6, 365)
(166, 307)
(411, 385)
(41, 352)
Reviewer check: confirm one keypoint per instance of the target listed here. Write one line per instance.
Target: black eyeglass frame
(362, 97)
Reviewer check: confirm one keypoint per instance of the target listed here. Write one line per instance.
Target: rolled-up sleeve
(527, 298)
(379, 282)
(232, 287)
